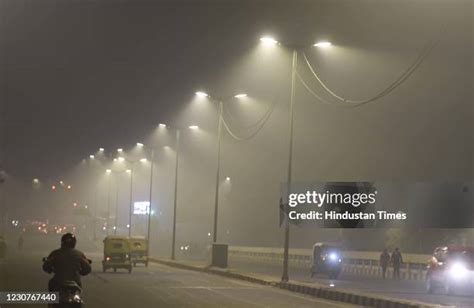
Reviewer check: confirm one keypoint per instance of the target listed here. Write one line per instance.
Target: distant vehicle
(139, 250)
(117, 253)
(450, 268)
(327, 259)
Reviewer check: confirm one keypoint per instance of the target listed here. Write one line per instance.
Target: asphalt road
(155, 286)
(402, 289)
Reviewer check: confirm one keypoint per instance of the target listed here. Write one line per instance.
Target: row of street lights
(220, 103)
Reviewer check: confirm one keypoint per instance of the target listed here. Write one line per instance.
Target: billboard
(141, 208)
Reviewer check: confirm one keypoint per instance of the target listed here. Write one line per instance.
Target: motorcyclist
(67, 263)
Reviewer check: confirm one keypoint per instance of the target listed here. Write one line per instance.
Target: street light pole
(131, 200)
(284, 276)
(149, 200)
(116, 205)
(173, 242)
(216, 197)
(108, 204)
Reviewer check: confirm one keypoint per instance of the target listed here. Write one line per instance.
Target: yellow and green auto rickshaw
(117, 253)
(139, 250)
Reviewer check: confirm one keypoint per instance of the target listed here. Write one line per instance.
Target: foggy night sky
(82, 74)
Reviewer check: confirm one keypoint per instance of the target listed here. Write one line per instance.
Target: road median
(314, 289)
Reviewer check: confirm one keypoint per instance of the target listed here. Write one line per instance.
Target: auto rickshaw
(117, 253)
(327, 259)
(139, 250)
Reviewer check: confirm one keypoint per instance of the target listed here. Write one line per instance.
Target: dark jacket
(396, 258)
(67, 264)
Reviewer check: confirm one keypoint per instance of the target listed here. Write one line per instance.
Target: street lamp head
(268, 40)
(108, 171)
(322, 44)
(35, 180)
(128, 171)
(202, 94)
(143, 160)
(139, 144)
(194, 127)
(119, 150)
(91, 156)
(227, 179)
(101, 149)
(120, 159)
(241, 95)
(162, 125)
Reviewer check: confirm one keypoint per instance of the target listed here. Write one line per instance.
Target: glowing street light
(242, 95)
(202, 94)
(268, 40)
(69, 187)
(91, 156)
(227, 179)
(322, 44)
(139, 144)
(101, 149)
(108, 171)
(128, 171)
(121, 159)
(193, 127)
(162, 125)
(35, 180)
(143, 160)
(120, 150)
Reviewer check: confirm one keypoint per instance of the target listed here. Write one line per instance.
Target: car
(450, 268)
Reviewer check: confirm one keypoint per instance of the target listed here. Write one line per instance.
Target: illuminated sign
(141, 208)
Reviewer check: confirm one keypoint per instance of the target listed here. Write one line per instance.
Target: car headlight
(458, 270)
(333, 256)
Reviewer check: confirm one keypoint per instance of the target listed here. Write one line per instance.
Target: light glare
(267, 40)
(193, 127)
(202, 94)
(242, 95)
(322, 44)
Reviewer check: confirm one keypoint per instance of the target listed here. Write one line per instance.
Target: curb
(318, 291)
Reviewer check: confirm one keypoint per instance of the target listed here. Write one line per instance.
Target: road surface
(155, 286)
(404, 289)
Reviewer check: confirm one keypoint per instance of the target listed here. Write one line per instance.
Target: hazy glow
(322, 44)
(162, 125)
(119, 150)
(227, 179)
(69, 187)
(120, 159)
(202, 94)
(193, 127)
(242, 95)
(139, 144)
(143, 160)
(91, 156)
(108, 170)
(268, 40)
(101, 149)
(128, 171)
(115, 159)
(36, 181)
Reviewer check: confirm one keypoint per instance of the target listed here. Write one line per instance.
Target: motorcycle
(70, 294)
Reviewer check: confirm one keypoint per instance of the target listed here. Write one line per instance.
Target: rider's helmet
(68, 240)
